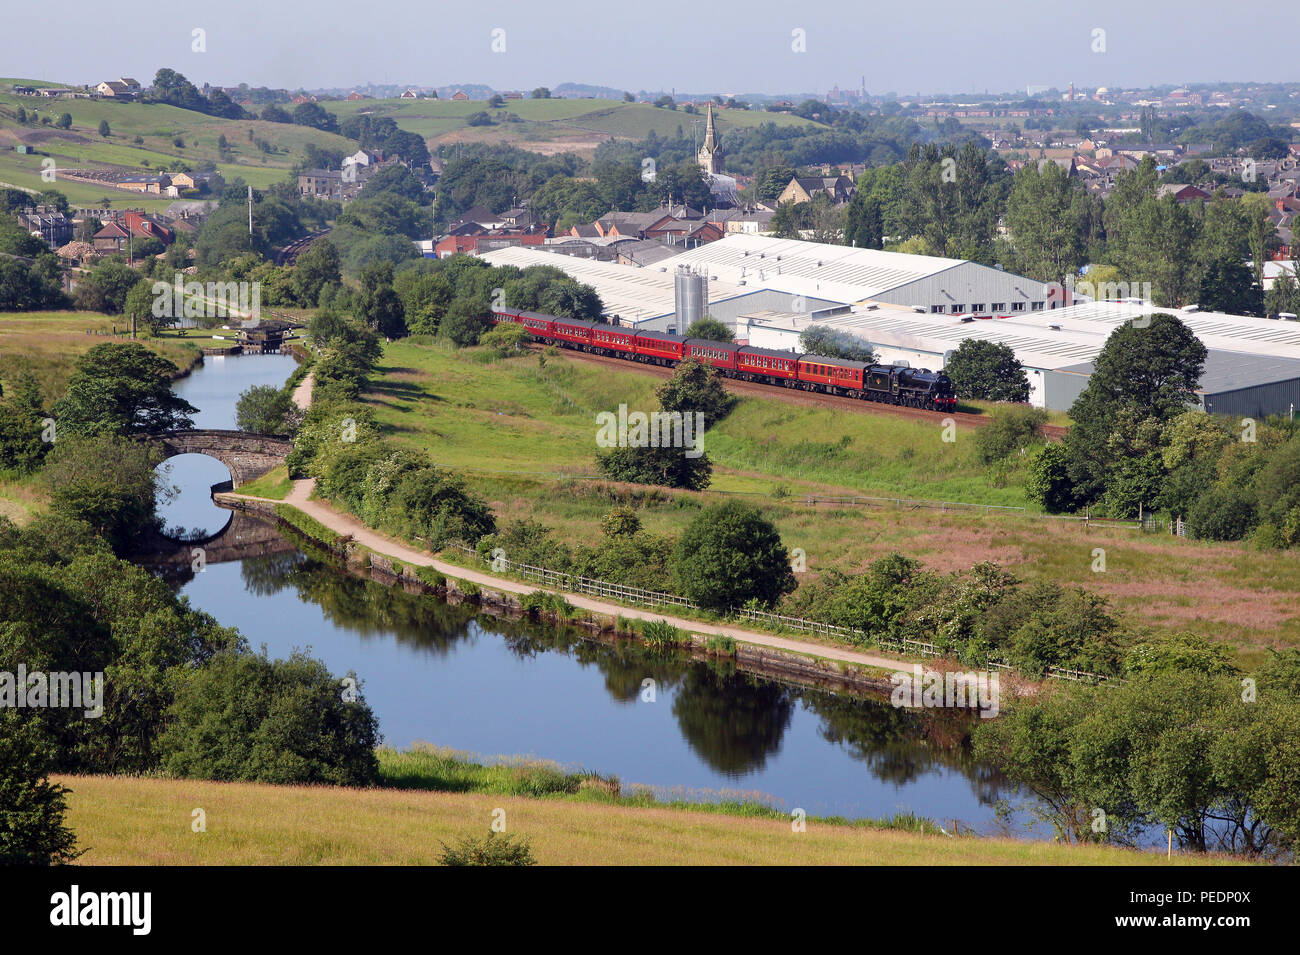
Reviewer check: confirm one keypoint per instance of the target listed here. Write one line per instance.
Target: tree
(32, 809)
(65, 122)
(864, 225)
(496, 101)
(987, 370)
(265, 409)
(729, 555)
(465, 322)
(833, 343)
(106, 287)
(107, 481)
(315, 269)
(696, 387)
(121, 389)
(104, 131)
(1048, 483)
(1148, 369)
(378, 305)
(246, 717)
(1046, 214)
(541, 93)
(315, 116)
(1229, 286)
(506, 339)
(709, 328)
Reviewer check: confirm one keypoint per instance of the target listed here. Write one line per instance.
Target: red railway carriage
(612, 338)
(659, 347)
(832, 373)
(721, 355)
(764, 363)
(539, 325)
(573, 331)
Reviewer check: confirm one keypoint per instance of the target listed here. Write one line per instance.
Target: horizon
(743, 48)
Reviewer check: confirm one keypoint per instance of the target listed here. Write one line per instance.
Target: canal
(455, 677)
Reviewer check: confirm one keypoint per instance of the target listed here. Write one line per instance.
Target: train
(890, 384)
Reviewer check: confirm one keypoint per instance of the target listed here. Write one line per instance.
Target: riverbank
(261, 824)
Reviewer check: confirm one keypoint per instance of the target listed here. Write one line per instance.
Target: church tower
(710, 156)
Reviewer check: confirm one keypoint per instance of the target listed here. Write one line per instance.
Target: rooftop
(634, 294)
(811, 268)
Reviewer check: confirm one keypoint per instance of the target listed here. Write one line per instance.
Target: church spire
(710, 156)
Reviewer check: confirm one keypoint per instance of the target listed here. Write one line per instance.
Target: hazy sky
(691, 45)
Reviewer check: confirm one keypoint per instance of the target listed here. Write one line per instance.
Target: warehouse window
(999, 306)
(936, 309)
(958, 309)
(977, 308)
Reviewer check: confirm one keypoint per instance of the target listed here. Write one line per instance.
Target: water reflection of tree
(901, 745)
(733, 721)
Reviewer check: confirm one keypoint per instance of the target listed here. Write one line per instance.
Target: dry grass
(49, 343)
(131, 821)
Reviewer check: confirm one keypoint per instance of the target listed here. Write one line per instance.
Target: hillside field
(525, 437)
(81, 146)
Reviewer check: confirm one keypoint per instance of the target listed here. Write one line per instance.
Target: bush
(1048, 483)
(493, 849)
(731, 554)
(31, 807)
(1011, 430)
(1224, 514)
(247, 717)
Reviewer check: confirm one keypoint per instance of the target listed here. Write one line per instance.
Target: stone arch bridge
(247, 456)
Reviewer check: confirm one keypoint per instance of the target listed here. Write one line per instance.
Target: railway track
(290, 252)
(810, 398)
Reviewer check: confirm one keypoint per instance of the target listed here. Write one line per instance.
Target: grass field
(525, 436)
(158, 126)
(582, 123)
(49, 344)
(135, 821)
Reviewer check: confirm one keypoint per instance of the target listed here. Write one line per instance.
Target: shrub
(493, 849)
(729, 554)
(1224, 514)
(1011, 430)
(661, 633)
(247, 717)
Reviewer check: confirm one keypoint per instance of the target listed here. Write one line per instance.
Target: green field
(551, 119)
(157, 125)
(525, 437)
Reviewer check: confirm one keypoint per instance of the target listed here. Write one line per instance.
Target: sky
(696, 46)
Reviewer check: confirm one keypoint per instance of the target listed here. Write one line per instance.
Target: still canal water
(453, 677)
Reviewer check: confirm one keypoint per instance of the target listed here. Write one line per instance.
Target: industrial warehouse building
(918, 309)
(821, 272)
(746, 273)
(1252, 368)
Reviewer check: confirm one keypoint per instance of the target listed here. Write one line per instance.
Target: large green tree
(1148, 370)
(988, 371)
(729, 555)
(121, 389)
